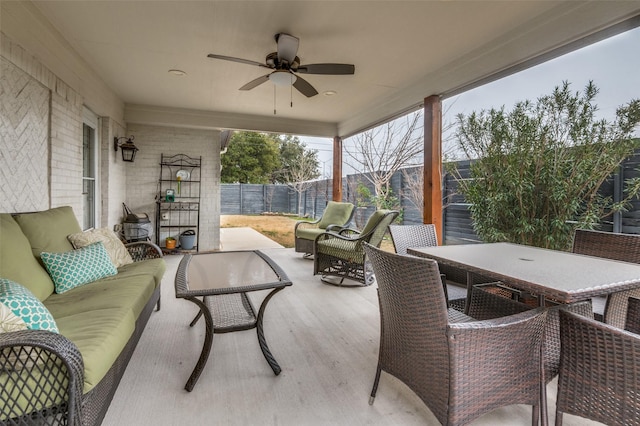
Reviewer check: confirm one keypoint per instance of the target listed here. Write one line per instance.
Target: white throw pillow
(115, 248)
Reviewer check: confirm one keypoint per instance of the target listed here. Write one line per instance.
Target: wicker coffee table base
(227, 313)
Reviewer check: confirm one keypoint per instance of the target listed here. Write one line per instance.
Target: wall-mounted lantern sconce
(128, 148)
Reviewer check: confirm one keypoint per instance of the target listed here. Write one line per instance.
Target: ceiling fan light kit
(285, 63)
(282, 78)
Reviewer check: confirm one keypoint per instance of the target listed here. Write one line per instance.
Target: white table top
(565, 277)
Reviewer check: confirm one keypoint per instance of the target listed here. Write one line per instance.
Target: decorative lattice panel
(24, 128)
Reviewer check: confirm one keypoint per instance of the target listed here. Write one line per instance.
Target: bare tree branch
(382, 151)
(299, 176)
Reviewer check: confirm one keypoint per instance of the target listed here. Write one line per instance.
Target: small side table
(218, 284)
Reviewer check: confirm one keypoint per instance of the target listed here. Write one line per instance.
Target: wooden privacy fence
(458, 226)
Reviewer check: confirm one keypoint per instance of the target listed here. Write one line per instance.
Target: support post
(432, 179)
(337, 168)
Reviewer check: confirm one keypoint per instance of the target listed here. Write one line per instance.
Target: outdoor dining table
(561, 276)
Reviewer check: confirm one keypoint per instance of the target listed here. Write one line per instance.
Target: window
(89, 170)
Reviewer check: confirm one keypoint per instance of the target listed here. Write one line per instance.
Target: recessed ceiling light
(177, 72)
(330, 93)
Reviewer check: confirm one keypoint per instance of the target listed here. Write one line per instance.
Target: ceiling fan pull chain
(274, 99)
(291, 91)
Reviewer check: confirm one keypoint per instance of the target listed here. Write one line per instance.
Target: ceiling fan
(285, 66)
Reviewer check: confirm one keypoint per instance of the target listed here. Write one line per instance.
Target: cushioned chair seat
(100, 335)
(118, 292)
(342, 249)
(309, 233)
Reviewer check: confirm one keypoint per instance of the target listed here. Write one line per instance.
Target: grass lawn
(278, 228)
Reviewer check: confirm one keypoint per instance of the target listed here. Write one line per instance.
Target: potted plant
(170, 243)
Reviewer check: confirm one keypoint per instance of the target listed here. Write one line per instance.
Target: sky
(613, 65)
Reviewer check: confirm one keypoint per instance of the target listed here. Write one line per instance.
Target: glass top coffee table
(218, 284)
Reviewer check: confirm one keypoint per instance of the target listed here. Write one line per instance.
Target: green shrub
(540, 165)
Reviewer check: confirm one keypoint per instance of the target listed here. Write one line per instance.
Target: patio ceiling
(402, 52)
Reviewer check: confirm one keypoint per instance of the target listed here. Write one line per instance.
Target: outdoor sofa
(69, 376)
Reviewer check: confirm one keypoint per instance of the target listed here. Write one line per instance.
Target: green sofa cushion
(17, 262)
(21, 310)
(374, 220)
(335, 213)
(100, 335)
(47, 230)
(309, 233)
(78, 267)
(131, 293)
(155, 267)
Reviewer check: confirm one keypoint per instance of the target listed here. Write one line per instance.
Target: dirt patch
(278, 228)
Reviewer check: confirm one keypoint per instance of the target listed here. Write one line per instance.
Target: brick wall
(41, 144)
(143, 175)
(66, 149)
(113, 173)
(55, 153)
(55, 160)
(24, 134)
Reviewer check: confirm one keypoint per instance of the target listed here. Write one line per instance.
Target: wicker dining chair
(633, 316)
(489, 301)
(624, 247)
(459, 370)
(341, 254)
(599, 375)
(424, 235)
(405, 236)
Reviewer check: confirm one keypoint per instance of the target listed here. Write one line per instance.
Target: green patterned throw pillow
(78, 267)
(21, 310)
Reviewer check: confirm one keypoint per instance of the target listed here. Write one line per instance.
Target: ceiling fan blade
(232, 59)
(287, 47)
(331, 69)
(304, 87)
(255, 83)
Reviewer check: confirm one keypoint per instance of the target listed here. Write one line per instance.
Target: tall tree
(295, 158)
(382, 151)
(250, 158)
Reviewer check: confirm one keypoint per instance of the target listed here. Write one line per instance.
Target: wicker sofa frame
(63, 372)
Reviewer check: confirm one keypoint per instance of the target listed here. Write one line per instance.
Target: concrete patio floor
(244, 239)
(325, 338)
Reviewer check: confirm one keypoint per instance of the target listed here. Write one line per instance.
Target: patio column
(432, 179)
(337, 168)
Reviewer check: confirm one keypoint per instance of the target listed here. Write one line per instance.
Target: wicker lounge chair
(335, 214)
(599, 367)
(623, 247)
(459, 370)
(341, 254)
